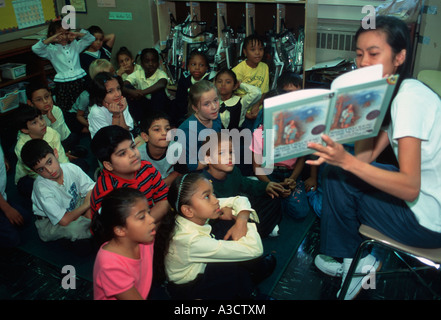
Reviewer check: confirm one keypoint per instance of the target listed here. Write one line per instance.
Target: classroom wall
(139, 33)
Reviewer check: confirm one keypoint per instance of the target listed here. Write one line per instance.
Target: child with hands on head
(192, 252)
(125, 230)
(109, 106)
(101, 48)
(62, 48)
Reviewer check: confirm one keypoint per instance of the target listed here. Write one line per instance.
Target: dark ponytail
(114, 212)
(180, 192)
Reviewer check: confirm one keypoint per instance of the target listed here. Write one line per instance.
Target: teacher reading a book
(403, 203)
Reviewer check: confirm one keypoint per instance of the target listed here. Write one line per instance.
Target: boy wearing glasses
(40, 97)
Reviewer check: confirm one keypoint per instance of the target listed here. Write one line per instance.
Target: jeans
(349, 202)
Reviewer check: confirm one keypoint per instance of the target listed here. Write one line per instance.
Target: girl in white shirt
(109, 106)
(233, 107)
(196, 255)
(403, 203)
(62, 48)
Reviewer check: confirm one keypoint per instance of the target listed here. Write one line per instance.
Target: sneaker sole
(380, 264)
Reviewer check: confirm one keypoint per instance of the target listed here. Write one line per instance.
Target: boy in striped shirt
(122, 167)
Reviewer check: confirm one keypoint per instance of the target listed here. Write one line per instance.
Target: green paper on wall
(120, 16)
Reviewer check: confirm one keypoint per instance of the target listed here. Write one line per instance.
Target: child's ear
(107, 165)
(187, 211)
(56, 153)
(145, 136)
(29, 102)
(119, 231)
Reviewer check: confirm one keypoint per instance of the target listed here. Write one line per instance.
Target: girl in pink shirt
(123, 265)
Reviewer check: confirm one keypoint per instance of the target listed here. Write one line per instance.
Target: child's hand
(72, 35)
(310, 184)
(289, 183)
(227, 213)
(252, 113)
(116, 107)
(237, 231)
(274, 189)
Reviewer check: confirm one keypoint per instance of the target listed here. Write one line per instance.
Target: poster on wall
(29, 13)
(79, 5)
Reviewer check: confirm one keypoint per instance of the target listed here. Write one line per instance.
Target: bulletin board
(21, 14)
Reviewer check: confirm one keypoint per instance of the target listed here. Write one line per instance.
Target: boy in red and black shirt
(122, 167)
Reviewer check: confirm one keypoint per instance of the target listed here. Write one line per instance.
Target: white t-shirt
(52, 200)
(100, 117)
(416, 112)
(138, 79)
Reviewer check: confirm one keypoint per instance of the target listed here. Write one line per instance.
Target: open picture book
(353, 109)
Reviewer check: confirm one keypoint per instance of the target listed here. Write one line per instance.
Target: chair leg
(417, 275)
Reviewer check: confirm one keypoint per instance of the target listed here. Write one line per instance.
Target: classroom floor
(25, 277)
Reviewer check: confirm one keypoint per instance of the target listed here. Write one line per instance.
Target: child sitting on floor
(228, 181)
(154, 131)
(61, 194)
(115, 148)
(31, 125)
(125, 230)
(193, 255)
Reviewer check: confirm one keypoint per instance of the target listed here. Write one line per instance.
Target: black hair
(227, 71)
(196, 53)
(180, 192)
(287, 78)
(34, 150)
(95, 29)
(53, 27)
(121, 51)
(107, 139)
(97, 87)
(146, 122)
(146, 51)
(398, 38)
(250, 39)
(24, 114)
(34, 86)
(115, 209)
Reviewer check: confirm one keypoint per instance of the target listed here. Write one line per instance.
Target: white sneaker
(328, 265)
(366, 265)
(275, 232)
